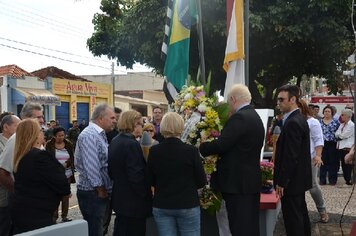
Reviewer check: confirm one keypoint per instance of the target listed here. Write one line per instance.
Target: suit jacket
(40, 184)
(175, 170)
(239, 147)
(131, 195)
(292, 169)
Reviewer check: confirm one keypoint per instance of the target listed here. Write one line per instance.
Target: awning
(41, 96)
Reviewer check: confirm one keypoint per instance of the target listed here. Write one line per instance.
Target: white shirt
(7, 156)
(6, 163)
(316, 135)
(345, 132)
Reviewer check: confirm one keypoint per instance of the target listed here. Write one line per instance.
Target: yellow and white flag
(234, 54)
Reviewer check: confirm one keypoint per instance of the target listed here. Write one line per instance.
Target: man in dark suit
(238, 175)
(292, 172)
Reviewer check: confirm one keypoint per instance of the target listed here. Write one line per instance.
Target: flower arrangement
(204, 117)
(267, 173)
(194, 99)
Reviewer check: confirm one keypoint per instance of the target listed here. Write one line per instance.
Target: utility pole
(247, 41)
(201, 43)
(113, 82)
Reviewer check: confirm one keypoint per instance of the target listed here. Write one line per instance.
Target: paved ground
(335, 197)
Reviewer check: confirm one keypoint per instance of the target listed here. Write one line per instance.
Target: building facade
(62, 99)
(78, 99)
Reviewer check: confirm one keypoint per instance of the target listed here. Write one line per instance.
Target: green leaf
(207, 86)
(223, 110)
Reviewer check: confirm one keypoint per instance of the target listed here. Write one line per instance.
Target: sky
(39, 33)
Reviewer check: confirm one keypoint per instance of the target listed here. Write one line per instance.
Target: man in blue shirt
(91, 161)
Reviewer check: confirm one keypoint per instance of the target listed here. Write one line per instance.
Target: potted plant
(267, 176)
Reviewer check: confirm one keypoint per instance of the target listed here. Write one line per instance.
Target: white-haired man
(8, 126)
(91, 161)
(238, 175)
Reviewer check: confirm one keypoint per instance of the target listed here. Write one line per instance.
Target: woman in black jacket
(40, 181)
(176, 172)
(131, 195)
(63, 150)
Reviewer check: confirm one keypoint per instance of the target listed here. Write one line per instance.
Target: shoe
(66, 220)
(324, 217)
(322, 183)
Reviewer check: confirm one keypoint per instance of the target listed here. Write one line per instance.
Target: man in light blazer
(292, 172)
(238, 175)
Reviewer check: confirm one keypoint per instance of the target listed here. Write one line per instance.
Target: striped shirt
(91, 159)
(62, 156)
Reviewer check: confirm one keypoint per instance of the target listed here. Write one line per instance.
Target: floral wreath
(204, 117)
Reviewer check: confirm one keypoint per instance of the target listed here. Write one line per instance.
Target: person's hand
(279, 191)
(203, 139)
(101, 191)
(317, 161)
(349, 159)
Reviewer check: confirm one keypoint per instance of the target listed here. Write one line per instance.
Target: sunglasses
(150, 130)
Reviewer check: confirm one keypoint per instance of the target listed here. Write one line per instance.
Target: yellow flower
(190, 103)
(210, 117)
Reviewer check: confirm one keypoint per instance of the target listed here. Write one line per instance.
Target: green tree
(287, 38)
(292, 38)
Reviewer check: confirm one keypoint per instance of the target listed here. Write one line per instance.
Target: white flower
(202, 107)
(188, 96)
(204, 134)
(192, 135)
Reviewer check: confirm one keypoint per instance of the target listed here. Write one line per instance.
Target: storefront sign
(332, 99)
(69, 87)
(44, 100)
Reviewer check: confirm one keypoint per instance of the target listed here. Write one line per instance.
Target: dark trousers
(107, 218)
(93, 210)
(244, 214)
(331, 163)
(5, 221)
(295, 215)
(65, 208)
(346, 168)
(129, 226)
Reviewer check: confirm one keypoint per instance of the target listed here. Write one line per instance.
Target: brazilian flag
(177, 60)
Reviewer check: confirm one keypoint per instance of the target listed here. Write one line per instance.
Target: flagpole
(201, 43)
(246, 39)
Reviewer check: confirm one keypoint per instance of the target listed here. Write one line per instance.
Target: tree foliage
(287, 38)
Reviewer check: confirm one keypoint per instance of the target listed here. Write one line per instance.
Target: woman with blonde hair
(150, 129)
(40, 181)
(176, 172)
(131, 196)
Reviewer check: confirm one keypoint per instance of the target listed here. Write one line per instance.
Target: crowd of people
(140, 168)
